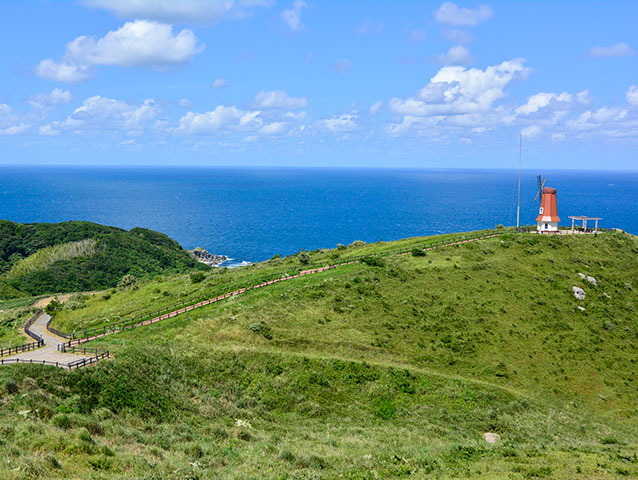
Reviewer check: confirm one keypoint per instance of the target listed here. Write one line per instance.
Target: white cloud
(531, 131)
(48, 131)
(342, 123)
(138, 43)
(178, 11)
(57, 96)
(457, 90)
(219, 83)
(542, 100)
(14, 129)
(376, 106)
(221, 120)
(417, 35)
(274, 128)
(632, 96)
(100, 114)
(616, 50)
(595, 119)
(457, 55)
(292, 16)
(10, 122)
(185, 103)
(62, 72)
(341, 66)
(278, 99)
(450, 13)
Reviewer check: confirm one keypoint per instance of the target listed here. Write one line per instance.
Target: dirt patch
(43, 302)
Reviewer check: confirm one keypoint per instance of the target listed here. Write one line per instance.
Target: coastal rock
(582, 309)
(582, 276)
(491, 437)
(592, 280)
(579, 293)
(202, 256)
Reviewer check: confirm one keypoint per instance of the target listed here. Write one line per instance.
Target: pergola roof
(582, 217)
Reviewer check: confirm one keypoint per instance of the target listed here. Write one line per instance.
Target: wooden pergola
(585, 219)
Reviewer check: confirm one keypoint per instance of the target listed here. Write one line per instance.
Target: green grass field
(393, 370)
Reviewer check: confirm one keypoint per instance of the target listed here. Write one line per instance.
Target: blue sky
(330, 83)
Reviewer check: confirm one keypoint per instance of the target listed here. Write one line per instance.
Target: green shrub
(418, 252)
(304, 257)
(11, 386)
(373, 261)
(197, 277)
(127, 281)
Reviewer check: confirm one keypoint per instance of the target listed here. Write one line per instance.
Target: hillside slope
(74, 256)
(392, 368)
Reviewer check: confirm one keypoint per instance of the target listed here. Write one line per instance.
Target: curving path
(49, 352)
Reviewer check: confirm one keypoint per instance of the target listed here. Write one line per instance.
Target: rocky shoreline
(202, 255)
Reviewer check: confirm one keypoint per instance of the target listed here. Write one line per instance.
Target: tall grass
(45, 257)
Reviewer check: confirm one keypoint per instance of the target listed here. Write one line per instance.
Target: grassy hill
(392, 368)
(78, 256)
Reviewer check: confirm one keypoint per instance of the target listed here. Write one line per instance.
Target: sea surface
(250, 214)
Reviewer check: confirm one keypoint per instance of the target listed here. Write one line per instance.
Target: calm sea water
(254, 213)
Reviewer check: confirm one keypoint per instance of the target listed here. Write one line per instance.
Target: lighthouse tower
(548, 213)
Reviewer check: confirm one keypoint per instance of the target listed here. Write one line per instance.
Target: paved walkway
(49, 352)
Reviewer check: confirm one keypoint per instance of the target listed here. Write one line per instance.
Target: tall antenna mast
(520, 161)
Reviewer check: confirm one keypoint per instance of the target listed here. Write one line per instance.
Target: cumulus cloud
(457, 55)
(42, 101)
(101, 114)
(48, 131)
(341, 66)
(457, 90)
(450, 13)
(632, 96)
(219, 83)
(616, 50)
(10, 122)
(292, 16)
(62, 72)
(138, 43)
(278, 99)
(222, 119)
(346, 122)
(178, 11)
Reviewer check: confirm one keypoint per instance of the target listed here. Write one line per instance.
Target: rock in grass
(582, 276)
(579, 293)
(592, 280)
(491, 437)
(582, 309)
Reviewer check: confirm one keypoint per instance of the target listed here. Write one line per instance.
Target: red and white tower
(548, 213)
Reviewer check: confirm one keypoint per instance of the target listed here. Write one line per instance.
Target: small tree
(418, 252)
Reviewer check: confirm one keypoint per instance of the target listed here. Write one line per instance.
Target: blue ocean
(250, 214)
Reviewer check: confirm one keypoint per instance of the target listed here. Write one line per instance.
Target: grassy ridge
(390, 369)
(79, 256)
